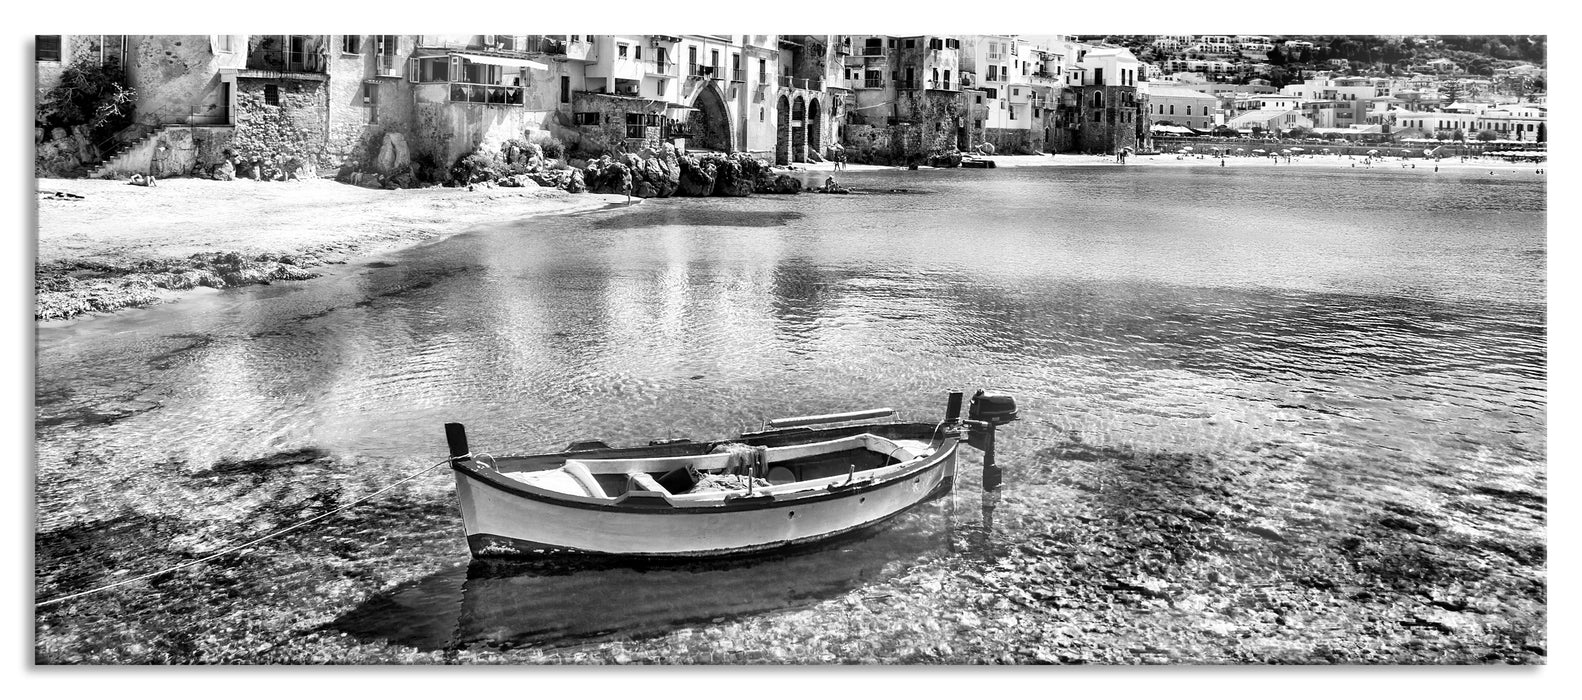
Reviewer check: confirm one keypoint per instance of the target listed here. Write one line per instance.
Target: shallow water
(1383, 331)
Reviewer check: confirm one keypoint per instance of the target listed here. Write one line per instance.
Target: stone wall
(1015, 141)
(926, 126)
(1110, 127)
(294, 128)
(442, 131)
(609, 135)
(175, 151)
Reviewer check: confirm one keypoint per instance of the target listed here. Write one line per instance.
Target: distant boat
(788, 484)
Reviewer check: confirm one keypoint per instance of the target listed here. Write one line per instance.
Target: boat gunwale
(659, 505)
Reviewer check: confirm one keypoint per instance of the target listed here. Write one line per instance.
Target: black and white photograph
(725, 350)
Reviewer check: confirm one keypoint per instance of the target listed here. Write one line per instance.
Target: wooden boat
(799, 480)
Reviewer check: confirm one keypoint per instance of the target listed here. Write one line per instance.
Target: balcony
(906, 84)
(479, 93)
(287, 53)
(873, 51)
(387, 67)
(738, 76)
(544, 45)
(698, 70)
(873, 82)
(843, 47)
(661, 68)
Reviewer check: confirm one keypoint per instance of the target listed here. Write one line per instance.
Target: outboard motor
(994, 409)
(987, 411)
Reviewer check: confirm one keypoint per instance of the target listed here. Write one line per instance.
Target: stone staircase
(113, 161)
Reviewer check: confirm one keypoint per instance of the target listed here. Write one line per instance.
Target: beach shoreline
(103, 245)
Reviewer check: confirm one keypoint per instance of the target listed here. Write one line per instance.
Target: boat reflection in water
(564, 602)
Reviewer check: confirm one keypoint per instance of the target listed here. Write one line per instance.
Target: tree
(1276, 56)
(88, 95)
(1543, 132)
(1486, 135)
(1452, 92)
(1459, 135)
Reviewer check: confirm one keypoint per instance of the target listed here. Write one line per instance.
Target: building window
(637, 52)
(223, 43)
(620, 50)
(47, 47)
(352, 44)
(565, 88)
(911, 43)
(763, 71)
(272, 94)
(585, 118)
(760, 114)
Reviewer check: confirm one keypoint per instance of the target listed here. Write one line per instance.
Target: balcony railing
(700, 70)
(477, 93)
(873, 50)
(843, 47)
(873, 82)
(738, 75)
(906, 84)
(787, 81)
(286, 61)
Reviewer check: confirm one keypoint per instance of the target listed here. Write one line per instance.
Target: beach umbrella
(1186, 148)
(1257, 150)
(1298, 150)
(1373, 151)
(1241, 150)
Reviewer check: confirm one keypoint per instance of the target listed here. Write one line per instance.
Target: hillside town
(189, 105)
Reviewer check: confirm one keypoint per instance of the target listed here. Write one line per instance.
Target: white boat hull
(503, 519)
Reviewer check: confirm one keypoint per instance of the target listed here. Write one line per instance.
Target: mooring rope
(249, 543)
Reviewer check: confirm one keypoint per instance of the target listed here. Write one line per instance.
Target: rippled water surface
(1386, 330)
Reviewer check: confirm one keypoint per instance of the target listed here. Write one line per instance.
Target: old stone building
(333, 102)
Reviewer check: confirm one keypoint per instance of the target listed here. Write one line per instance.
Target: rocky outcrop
(697, 175)
(784, 184)
(647, 173)
(950, 159)
(394, 157)
(724, 175)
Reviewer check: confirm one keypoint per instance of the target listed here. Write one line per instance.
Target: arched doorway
(798, 130)
(815, 121)
(709, 121)
(782, 131)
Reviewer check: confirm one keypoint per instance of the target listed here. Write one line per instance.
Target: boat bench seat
(639, 481)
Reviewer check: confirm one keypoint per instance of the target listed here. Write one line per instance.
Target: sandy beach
(120, 245)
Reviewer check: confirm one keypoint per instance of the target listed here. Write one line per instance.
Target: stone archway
(709, 121)
(782, 131)
(798, 130)
(815, 127)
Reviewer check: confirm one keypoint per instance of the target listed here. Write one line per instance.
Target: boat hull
(505, 520)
